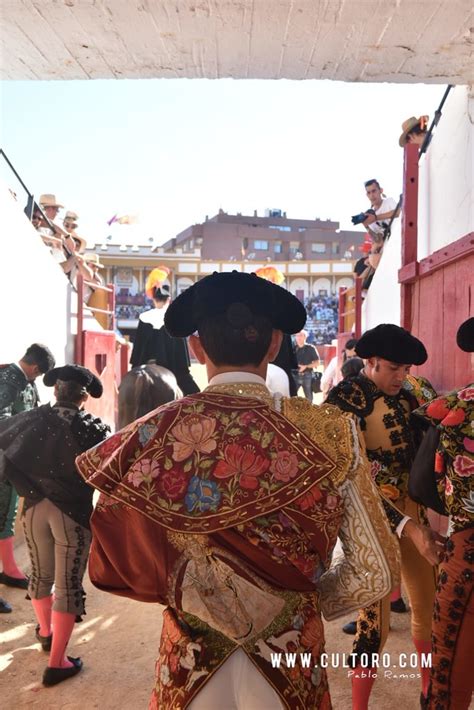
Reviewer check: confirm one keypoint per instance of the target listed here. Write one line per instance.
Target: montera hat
(393, 343)
(224, 293)
(49, 201)
(75, 373)
(465, 336)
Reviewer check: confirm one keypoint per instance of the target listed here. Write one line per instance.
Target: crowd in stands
(322, 323)
(125, 312)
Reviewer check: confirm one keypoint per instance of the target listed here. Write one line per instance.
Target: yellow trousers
(419, 579)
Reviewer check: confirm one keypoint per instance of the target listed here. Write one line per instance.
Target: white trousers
(237, 685)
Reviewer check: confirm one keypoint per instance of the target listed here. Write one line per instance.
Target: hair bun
(239, 315)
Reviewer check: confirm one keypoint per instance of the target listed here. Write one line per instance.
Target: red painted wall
(442, 298)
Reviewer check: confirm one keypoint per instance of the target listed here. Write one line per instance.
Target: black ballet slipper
(45, 641)
(53, 676)
(13, 581)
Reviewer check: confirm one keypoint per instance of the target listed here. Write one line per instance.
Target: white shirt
(388, 205)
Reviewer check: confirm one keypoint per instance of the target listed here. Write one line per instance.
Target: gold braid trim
(329, 428)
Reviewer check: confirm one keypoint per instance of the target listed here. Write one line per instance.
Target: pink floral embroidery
(466, 394)
(448, 487)
(375, 469)
(246, 418)
(143, 471)
(468, 444)
(463, 466)
(285, 466)
(244, 462)
(194, 433)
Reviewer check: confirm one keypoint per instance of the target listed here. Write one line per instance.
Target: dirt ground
(118, 642)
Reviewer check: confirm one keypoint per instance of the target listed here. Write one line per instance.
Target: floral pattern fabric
(207, 462)
(453, 415)
(225, 492)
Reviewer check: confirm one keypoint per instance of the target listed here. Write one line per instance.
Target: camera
(361, 217)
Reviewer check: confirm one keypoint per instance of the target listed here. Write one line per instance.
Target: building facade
(273, 237)
(315, 258)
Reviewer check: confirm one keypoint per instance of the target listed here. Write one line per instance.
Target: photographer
(308, 359)
(382, 209)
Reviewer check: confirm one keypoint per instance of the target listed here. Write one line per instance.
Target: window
(279, 227)
(318, 248)
(277, 247)
(260, 244)
(335, 248)
(294, 246)
(301, 229)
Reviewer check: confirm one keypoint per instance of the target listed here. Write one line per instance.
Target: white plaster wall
(446, 187)
(382, 304)
(36, 296)
(343, 40)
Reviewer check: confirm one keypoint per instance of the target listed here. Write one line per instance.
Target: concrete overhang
(347, 40)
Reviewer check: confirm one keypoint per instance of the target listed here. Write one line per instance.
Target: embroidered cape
(227, 511)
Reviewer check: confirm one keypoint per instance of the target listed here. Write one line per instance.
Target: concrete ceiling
(348, 40)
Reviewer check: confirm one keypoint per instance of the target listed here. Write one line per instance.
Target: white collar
(227, 377)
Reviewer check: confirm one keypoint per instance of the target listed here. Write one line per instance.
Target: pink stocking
(423, 647)
(10, 566)
(362, 682)
(396, 594)
(42, 609)
(63, 625)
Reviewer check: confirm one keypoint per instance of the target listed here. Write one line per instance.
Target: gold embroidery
(328, 428)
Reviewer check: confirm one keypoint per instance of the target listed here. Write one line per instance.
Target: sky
(173, 151)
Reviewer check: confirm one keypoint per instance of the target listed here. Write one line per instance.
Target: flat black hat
(215, 294)
(75, 373)
(393, 343)
(465, 336)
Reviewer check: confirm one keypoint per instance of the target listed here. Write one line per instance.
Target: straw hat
(49, 201)
(93, 259)
(70, 217)
(409, 125)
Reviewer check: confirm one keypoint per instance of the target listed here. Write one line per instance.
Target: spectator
(414, 130)
(50, 206)
(307, 358)
(384, 207)
(331, 376)
(93, 264)
(70, 221)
